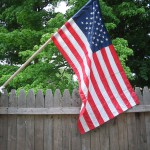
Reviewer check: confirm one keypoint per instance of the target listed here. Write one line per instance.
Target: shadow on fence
(49, 122)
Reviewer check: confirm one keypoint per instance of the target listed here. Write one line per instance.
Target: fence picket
(48, 122)
(39, 122)
(146, 100)
(66, 122)
(57, 140)
(21, 128)
(76, 139)
(122, 132)
(3, 122)
(30, 122)
(12, 123)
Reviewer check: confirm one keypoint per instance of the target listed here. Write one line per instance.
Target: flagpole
(25, 64)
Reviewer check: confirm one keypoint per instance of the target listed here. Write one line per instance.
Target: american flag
(103, 86)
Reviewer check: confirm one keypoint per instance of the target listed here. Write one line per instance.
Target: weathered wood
(52, 124)
(3, 122)
(76, 138)
(122, 132)
(40, 111)
(59, 110)
(21, 127)
(57, 139)
(12, 123)
(95, 139)
(48, 122)
(39, 122)
(132, 137)
(146, 101)
(140, 124)
(30, 122)
(113, 134)
(66, 122)
(86, 141)
(104, 137)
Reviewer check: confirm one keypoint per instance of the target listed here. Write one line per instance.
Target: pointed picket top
(66, 98)
(31, 99)
(13, 98)
(4, 99)
(139, 94)
(76, 100)
(39, 99)
(49, 99)
(22, 99)
(146, 95)
(57, 98)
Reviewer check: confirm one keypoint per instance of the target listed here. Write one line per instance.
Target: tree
(134, 26)
(25, 25)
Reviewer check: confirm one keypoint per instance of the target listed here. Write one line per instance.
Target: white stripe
(78, 49)
(109, 80)
(91, 114)
(103, 90)
(119, 77)
(98, 103)
(74, 60)
(84, 124)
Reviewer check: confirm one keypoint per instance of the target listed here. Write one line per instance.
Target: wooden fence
(49, 122)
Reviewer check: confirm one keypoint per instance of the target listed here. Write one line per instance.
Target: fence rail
(49, 122)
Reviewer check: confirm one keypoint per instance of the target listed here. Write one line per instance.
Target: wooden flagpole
(25, 64)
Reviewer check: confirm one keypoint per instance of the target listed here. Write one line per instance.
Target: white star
(86, 18)
(87, 23)
(106, 39)
(86, 28)
(96, 28)
(97, 39)
(82, 22)
(101, 41)
(93, 37)
(96, 44)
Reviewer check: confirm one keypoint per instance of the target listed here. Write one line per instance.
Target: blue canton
(89, 20)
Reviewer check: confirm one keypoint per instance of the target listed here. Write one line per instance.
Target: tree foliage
(25, 26)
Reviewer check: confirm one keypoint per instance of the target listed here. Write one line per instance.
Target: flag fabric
(103, 86)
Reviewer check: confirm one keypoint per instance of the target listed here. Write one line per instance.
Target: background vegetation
(25, 25)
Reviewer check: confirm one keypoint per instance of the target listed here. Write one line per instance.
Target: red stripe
(114, 79)
(105, 83)
(80, 127)
(77, 56)
(94, 108)
(100, 96)
(124, 77)
(71, 64)
(88, 120)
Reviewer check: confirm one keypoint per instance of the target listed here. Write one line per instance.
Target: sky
(61, 7)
